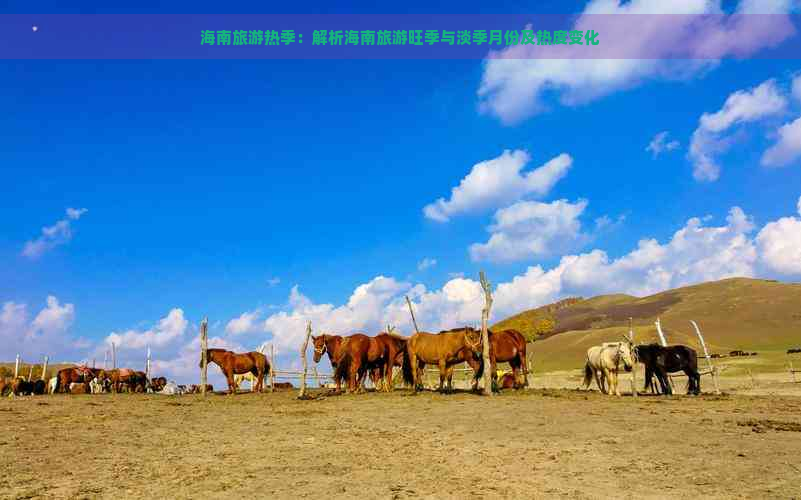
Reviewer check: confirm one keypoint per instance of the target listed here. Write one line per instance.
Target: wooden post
(105, 360)
(204, 353)
(44, 368)
(303, 349)
(30, 373)
(113, 356)
(272, 368)
(708, 359)
(148, 374)
(661, 334)
(411, 311)
(485, 312)
(634, 358)
(16, 367)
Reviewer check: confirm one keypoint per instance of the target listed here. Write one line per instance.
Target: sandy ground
(533, 444)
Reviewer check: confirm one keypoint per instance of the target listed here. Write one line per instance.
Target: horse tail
(408, 377)
(587, 374)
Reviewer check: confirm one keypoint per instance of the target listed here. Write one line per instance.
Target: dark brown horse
(506, 346)
(75, 375)
(119, 379)
(235, 363)
(357, 353)
(158, 383)
(388, 349)
(444, 349)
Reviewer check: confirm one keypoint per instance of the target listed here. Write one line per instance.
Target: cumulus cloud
(426, 263)
(780, 245)
(518, 79)
(742, 106)
(46, 333)
(660, 144)
(787, 148)
(246, 322)
(53, 236)
(165, 331)
(530, 229)
(498, 182)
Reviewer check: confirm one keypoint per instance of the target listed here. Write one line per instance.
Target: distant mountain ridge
(735, 313)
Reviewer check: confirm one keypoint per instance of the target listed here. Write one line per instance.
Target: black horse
(659, 361)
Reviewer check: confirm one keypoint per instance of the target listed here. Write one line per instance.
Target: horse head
(472, 338)
(319, 347)
(624, 352)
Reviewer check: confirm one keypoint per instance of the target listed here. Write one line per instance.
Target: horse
(444, 349)
(158, 383)
(385, 353)
(233, 363)
(328, 344)
(74, 375)
(506, 346)
(356, 354)
(21, 387)
(52, 385)
(239, 378)
(119, 378)
(660, 361)
(39, 387)
(603, 363)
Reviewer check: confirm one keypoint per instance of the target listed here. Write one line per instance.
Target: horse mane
(461, 329)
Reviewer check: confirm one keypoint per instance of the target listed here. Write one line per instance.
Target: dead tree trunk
(204, 354)
(411, 311)
(485, 312)
(303, 349)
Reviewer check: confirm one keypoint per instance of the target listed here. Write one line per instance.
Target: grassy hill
(737, 313)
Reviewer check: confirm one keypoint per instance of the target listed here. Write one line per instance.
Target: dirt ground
(533, 444)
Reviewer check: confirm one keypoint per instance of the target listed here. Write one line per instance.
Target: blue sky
(215, 187)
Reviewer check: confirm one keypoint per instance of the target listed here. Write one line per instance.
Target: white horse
(603, 363)
(51, 385)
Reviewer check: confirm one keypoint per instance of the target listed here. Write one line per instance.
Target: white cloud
(498, 182)
(54, 318)
(168, 329)
(426, 263)
(518, 79)
(787, 147)
(660, 144)
(274, 281)
(780, 245)
(53, 236)
(246, 322)
(742, 106)
(530, 229)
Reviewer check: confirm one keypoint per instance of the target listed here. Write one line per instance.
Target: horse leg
(604, 380)
(229, 376)
(443, 371)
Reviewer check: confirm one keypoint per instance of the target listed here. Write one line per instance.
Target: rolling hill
(735, 313)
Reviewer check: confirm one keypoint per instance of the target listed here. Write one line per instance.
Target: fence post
(30, 373)
(113, 356)
(411, 311)
(659, 331)
(44, 368)
(105, 360)
(272, 367)
(204, 354)
(16, 367)
(485, 312)
(634, 358)
(303, 349)
(148, 373)
(708, 359)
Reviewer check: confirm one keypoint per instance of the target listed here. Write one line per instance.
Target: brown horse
(234, 363)
(119, 378)
(389, 348)
(444, 349)
(357, 354)
(330, 345)
(506, 346)
(74, 375)
(158, 383)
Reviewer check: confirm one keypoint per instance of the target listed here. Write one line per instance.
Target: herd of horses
(356, 356)
(605, 361)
